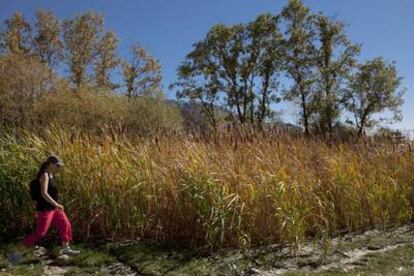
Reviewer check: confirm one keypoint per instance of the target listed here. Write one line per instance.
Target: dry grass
(178, 189)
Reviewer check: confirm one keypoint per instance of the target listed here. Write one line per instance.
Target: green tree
(142, 74)
(82, 35)
(47, 42)
(299, 36)
(335, 58)
(266, 42)
(373, 89)
(193, 87)
(107, 59)
(234, 66)
(23, 81)
(388, 134)
(209, 70)
(15, 38)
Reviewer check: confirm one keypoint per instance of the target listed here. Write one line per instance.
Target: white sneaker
(69, 251)
(15, 258)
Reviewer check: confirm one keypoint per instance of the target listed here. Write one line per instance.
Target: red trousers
(44, 219)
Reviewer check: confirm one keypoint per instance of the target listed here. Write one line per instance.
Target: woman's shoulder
(44, 175)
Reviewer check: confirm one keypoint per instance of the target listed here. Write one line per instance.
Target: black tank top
(42, 204)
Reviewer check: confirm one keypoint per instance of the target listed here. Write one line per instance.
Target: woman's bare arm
(44, 183)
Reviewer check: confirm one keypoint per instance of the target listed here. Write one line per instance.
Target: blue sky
(168, 28)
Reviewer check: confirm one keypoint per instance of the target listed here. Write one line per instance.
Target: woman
(48, 210)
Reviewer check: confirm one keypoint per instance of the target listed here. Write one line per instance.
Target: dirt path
(388, 252)
(351, 253)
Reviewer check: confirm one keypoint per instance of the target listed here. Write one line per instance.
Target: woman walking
(48, 210)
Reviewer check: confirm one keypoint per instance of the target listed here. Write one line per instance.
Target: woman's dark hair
(51, 159)
(43, 168)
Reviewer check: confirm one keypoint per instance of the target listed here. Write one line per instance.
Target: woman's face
(54, 168)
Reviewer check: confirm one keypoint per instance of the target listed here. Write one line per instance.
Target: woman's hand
(60, 207)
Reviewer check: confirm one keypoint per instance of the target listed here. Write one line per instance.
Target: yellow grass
(178, 189)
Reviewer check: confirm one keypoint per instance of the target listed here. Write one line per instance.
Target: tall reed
(180, 190)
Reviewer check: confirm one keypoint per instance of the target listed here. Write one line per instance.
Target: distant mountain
(194, 117)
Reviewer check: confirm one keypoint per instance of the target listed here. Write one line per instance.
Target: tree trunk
(305, 114)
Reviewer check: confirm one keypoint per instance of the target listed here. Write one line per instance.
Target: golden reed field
(182, 190)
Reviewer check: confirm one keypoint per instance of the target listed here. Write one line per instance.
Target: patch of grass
(26, 270)
(377, 239)
(3, 262)
(85, 271)
(29, 257)
(92, 259)
(149, 259)
(30, 266)
(156, 260)
(399, 261)
(89, 257)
